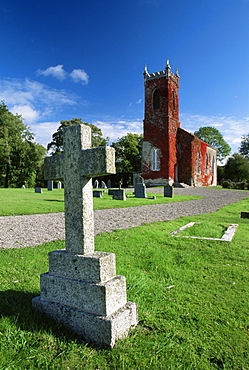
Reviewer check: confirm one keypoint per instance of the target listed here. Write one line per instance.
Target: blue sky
(64, 59)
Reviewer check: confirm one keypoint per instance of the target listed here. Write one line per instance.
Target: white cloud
(79, 75)
(37, 102)
(26, 111)
(57, 72)
(44, 130)
(231, 128)
(116, 128)
(28, 92)
(137, 102)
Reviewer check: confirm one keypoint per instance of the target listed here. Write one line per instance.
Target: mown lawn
(26, 202)
(192, 298)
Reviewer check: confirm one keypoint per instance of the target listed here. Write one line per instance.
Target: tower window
(155, 160)
(156, 100)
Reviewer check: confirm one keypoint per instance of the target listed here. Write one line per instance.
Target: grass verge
(192, 299)
(26, 202)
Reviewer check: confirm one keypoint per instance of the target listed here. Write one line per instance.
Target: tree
(237, 168)
(56, 145)
(213, 137)
(30, 161)
(244, 147)
(128, 153)
(20, 157)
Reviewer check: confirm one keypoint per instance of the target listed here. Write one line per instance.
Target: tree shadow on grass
(17, 305)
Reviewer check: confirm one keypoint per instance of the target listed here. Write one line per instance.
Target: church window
(155, 160)
(206, 164)
(156, 100)
(198, 167)
(213, 166)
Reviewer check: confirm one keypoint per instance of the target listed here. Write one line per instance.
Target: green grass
(192, 300)
(207, 230)
(27, 202)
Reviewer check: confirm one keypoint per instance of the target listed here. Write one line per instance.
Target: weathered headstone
(38, 190)
(140, 188)
(119, 194)
(81, 289)
(168, 191)
(244, 214)
(50, 185)
(109, 183)
(59, 185)
(96, 184)
(97, 193)
(137, 179)
(103, 185)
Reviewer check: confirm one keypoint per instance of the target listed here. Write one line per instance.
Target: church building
(171, 154)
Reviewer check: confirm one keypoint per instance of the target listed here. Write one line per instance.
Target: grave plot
(198, 230)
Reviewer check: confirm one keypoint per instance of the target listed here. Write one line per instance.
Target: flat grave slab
(227, 237)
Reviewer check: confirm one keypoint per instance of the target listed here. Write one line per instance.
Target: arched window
(206, 164)
(155, 160)
(156, 100)
(213, 166)
(198, 164)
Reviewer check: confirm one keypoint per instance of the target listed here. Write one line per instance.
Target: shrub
(241, 185)
(227, 184)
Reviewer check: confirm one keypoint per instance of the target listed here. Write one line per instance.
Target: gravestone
(168, 191)
(97, 193)
(103, 185)
(59, 185)
(109, 183)
(50, 185)
(96, 184)
(244, 214)
(118, 194)
(81, 289)
(140, 188)
(38, 190)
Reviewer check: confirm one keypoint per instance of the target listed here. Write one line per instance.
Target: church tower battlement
(165, 73)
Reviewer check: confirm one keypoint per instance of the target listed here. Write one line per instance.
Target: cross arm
(98, 161)
(53, 167)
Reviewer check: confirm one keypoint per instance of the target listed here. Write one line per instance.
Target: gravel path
(24, 231)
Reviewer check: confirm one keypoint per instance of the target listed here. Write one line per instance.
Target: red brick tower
(161, 122)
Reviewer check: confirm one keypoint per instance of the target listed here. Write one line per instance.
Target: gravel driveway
(24, 231)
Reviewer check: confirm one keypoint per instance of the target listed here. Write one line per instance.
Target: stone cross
(77, 165)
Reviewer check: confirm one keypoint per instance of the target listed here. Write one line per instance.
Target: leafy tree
(128, 153)
(29, 162)
(56, 145)
(20, 157)
(213, 137)
(237, 168)
(244, 147)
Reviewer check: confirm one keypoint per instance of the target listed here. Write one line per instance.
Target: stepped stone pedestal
(81, 289)
(84, 293)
